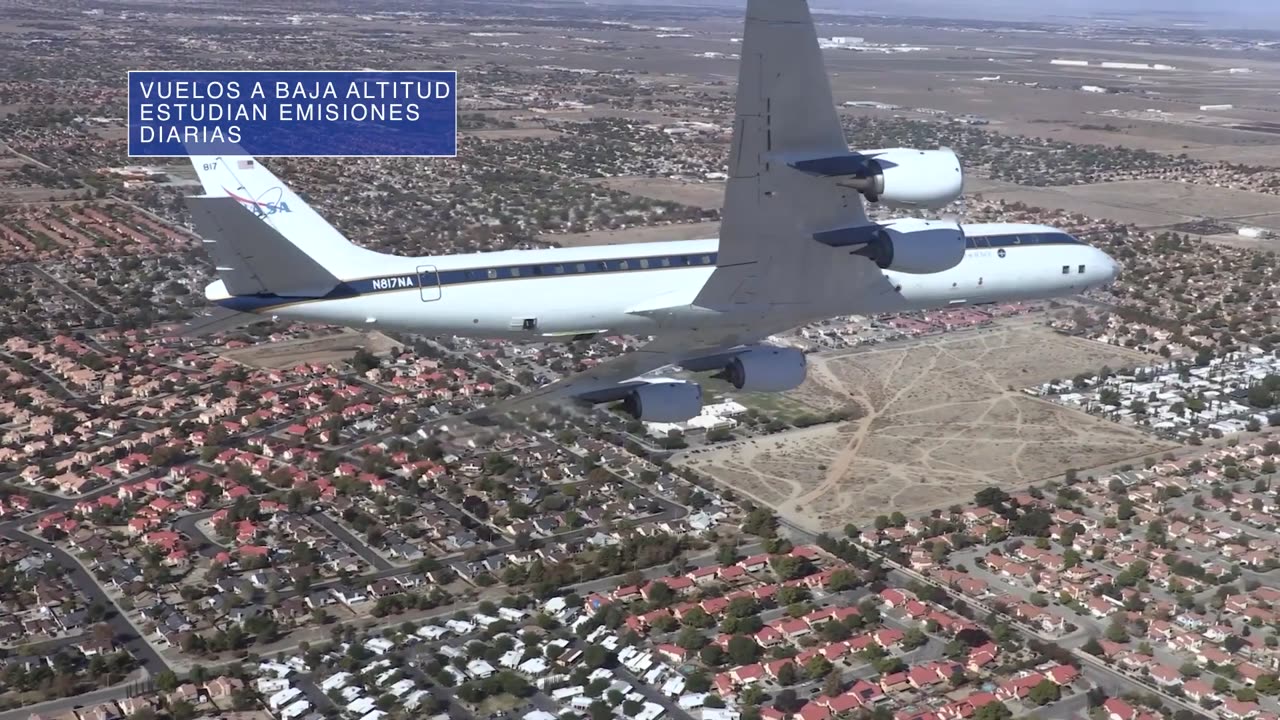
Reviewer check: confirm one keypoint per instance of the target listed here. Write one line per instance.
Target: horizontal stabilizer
(251, 256)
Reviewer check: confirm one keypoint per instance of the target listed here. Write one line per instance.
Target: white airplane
(795, 247)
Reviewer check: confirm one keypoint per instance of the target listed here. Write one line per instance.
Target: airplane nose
(1110, 269)
(1113, 269)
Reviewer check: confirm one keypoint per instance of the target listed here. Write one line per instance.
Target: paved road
(358, 545)
(124, 629)
(89, 699)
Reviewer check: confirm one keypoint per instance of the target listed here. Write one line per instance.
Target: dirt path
(945, 417)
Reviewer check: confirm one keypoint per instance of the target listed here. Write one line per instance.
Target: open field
(330, 349)
(511, 133)
(945, 418)
(657, 233)
(1147, 203)
(696, 194)
(781, 406)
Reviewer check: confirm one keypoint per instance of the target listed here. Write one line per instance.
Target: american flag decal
(245, 164)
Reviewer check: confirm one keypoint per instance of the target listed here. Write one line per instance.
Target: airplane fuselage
(567, 292)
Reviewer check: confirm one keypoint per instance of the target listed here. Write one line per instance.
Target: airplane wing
(784, 114)
(614, 378)
(768, 256)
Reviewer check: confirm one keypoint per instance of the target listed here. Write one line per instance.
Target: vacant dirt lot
(657, 233)
(945, 419)
(696, 194)
(330, 349)
(512, 133)
(1149, 203)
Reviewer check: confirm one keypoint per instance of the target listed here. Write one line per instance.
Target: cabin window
(492, 273)
(705, 260)
(622, 265)
(581, 267)
(1066, 269)
(1081, 270)
(644, 264)
(665, 262)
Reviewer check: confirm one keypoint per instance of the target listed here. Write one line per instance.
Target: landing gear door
(429, 282)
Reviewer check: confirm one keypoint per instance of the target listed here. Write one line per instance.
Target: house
(894, 682)
(1233, 709)
(1063, 675)
(479, 669)
(1198, 690)
(673, 653)
(223, 687)
(1165, 676)
(1117, 709)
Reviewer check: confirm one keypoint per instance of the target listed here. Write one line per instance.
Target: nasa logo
(1000, 252)
(268, 203)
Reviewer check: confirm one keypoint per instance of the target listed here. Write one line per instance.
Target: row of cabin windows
(986, 241)
(451, 277)
(1066, 270)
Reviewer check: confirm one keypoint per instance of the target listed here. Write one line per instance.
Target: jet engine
(765, 368)
(664, 401)
(915, 246)
(905, 177)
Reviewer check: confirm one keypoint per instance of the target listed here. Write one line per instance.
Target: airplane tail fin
(263, 237)
(251, 256)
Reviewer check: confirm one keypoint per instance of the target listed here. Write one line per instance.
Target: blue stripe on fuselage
(405, 281)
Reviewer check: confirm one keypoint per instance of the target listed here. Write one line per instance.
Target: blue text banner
(293, 113)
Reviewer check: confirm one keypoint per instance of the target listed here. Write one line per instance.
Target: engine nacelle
(905, 177)
(766, 368)
(664, 401)
(915, 246)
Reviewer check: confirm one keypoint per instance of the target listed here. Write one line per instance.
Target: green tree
(181, 710)
(1047, 691)
(166, 681)
(817, 667)
(787, 674)
(1116, 631)
(742, 650)
(691, 639)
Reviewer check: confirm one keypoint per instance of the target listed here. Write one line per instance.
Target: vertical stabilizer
(247, 181)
